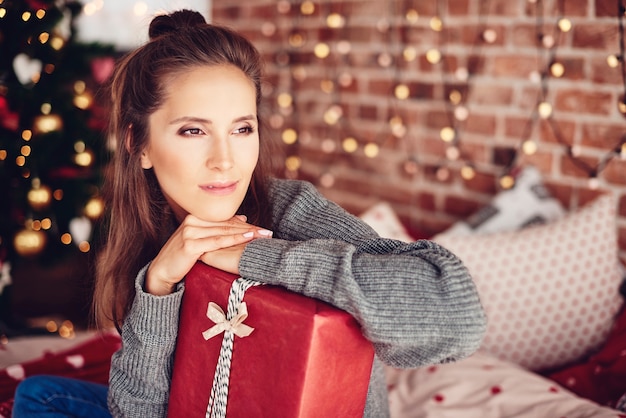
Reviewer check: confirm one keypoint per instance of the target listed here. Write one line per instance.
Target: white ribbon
(235, 324)
(230, 324)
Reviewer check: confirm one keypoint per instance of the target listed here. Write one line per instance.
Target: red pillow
(602, 377)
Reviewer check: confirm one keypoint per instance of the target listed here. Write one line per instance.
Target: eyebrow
(202, 120)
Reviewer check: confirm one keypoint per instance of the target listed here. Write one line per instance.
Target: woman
(190, 183)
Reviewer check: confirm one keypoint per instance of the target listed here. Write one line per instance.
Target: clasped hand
(218, 244)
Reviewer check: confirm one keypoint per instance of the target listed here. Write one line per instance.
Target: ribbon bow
(222, 324)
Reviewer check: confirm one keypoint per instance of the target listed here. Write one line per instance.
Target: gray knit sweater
(415, 301)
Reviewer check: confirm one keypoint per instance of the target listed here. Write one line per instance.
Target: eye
(191, 131)
(246, 130)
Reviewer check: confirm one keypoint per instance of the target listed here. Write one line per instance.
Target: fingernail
(248, 234)
(242, 217)
(265, 232)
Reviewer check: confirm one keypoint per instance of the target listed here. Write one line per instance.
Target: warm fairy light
(82, 101)
(344, 47)
(565, 25)
(296, 39)
(411, 166)
(455, 97)
(529, 147)
(80, 146)
(507, 182)
(345, 79)
(409, 54)
(84, 247)
(284, 100)
(79, 87)
(66, 239)
(25, 150)
(84, 159)
(462, 74)
(46, 108)
(461, 113)
(398, 129)
(442, 174)
(43, 37)
(385, 60)
(535, 77)
(468, 172)
(402, 92)
(371, 150)
(547, 41)
(289, 136)
(20, 161)
(383, 25)
(293, 163)
(27, 134)
(557, 69)
(436, 24)
(613, 61)
(3, 154)
(433, 56)
(321, 50)
(66, 330)
(545, 110)
(58, 194)
(48, 123)
(94, 208)
(327, 180)
(49, 68)
(327, 86)
(51, 326)
(299, 72)
(490, 36)
(350, 144)
(621, 106)
(268, 29)
(453, 153)
(335, 20)
(328, 146)
(40, 13)
(623, 152)
(593, 183)
(46, 224)
(332, 115)
(447, 134)
(26, 16)
(283, 6)
(412, 16)
(307, 8)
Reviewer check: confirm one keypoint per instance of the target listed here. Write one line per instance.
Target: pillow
(550, 291)
(602, 377)
(383, 219)
(528, 203)
(483, 386)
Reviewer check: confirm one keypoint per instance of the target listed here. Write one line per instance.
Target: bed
(550, 283)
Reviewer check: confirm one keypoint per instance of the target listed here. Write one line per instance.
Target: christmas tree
(52, 142)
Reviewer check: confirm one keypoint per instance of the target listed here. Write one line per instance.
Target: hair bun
(175, 21)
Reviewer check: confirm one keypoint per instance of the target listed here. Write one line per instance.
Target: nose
(220, 155)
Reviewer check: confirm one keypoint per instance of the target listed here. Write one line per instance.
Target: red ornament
(102, 68)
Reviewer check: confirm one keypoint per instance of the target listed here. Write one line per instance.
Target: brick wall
(380, 85)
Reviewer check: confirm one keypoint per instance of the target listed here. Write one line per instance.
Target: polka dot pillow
(550, 291)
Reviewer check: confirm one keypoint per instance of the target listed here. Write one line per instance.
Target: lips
(220, 188)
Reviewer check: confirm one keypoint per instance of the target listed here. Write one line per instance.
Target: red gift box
(304, 357)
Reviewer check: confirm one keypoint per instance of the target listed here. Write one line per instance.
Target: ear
(146, 162)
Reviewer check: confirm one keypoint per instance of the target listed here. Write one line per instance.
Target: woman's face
(204, 142)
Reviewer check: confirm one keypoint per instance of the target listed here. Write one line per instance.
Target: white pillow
(550, 291)
(383, 219)
(528, 203)
(482, 386)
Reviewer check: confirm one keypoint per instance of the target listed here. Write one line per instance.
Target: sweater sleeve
(140, 376)
(415, 301)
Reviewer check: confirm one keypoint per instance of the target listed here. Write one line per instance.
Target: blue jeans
(56, 397)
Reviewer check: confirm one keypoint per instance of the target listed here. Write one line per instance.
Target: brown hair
(139, 219)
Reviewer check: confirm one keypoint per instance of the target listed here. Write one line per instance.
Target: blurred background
(430, 106)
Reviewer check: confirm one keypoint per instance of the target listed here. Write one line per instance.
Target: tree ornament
(39, 197)
(28, 242)
(27, 69)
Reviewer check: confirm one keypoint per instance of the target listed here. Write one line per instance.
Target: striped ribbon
(219, 391)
